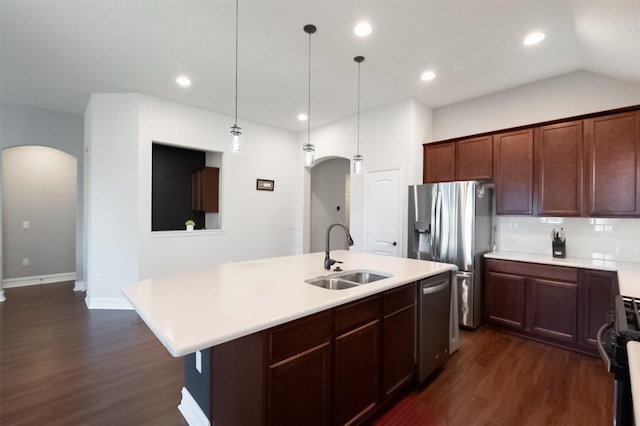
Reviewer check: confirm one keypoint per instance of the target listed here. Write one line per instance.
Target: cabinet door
(300, 389)
(506, 299)
(398, 337)
(599, 289)
(559, 164)
(513, 175)
(439, 162)
(357, 373)
(613, 172)
(474, 159)
(554, 309)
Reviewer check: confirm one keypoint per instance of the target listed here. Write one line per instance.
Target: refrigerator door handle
(438, 227)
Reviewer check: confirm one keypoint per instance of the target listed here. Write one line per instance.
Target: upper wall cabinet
(513, 173)
(613, 170)
(474, 158)
(559, 163)
(439, 162)
(467, 159)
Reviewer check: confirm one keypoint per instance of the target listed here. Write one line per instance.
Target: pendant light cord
(236, 110)
(309, 97)
(358, 108)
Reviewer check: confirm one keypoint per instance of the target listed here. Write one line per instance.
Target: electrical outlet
(25, 262)
(25, 224)
(199, 361)
(522, 241)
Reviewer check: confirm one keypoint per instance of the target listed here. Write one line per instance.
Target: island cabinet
(335, 367)
(559, 165)
(513, 172)
(439, 162)
(557, 304)
(613, 164)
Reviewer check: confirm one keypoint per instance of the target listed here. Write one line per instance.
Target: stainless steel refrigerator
(451, 222)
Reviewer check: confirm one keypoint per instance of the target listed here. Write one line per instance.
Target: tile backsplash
(590, 238)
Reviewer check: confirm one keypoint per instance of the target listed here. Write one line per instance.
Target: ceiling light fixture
(427, 76)
(308, 148)
(302, 117)
(533, 38)
(183, 81)
(363, 29)
(357, 158)
(235, 130)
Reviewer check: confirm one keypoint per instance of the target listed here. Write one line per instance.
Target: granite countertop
(202, 308)
(628, 272)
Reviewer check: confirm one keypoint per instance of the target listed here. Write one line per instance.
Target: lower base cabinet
(561, 305)
(336, 367)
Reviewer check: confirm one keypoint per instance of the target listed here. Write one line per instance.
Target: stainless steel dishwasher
(434, 307)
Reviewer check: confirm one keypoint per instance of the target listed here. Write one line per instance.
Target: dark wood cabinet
(553, 309)
(599, 291)
(398, 339)
(505, 299)
(439, 162)
(357, 360)
(613, 164)
(205, 189)
(559, 165)
(474, 158)
(299, 378)
(561, 305)
(513, 174)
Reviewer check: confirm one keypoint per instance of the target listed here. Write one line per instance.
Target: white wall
(568, 95)
(111, 182)
(121, 247)
(23, 125)
(389, 136)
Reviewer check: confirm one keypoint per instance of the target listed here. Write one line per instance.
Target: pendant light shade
(358, 159)
(308, 148)
(235, 130)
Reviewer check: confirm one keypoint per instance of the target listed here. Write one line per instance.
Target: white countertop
(628, 272)
(202, 308)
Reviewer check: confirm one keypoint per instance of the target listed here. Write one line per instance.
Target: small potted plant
(190, 224)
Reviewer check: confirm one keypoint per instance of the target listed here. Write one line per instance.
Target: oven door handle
(603, 354)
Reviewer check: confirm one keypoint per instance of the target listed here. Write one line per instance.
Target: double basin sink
(347, 279)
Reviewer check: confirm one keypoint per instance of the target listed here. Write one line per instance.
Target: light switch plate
(25, 224)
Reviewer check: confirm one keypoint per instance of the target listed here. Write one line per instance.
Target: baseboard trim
(2, 298)
(191, 411)
(38, 279)
(114, 303)
(80, 286)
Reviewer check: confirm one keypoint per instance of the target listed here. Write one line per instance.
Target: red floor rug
(411, 411)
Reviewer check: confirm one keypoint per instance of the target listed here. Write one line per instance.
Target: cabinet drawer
(357, 313)
(396, 299)
(300, 335)
(563, 273)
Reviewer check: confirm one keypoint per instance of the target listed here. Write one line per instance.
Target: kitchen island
(225, 316)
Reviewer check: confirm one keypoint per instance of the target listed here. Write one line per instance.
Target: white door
(383, 211)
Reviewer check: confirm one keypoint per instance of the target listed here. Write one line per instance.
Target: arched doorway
(330, 201)
(39, 204)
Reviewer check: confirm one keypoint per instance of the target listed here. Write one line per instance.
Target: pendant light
(308, 148)
(357, 158)
(236, 131)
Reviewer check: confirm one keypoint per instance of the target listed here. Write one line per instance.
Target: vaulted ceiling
(54, 54)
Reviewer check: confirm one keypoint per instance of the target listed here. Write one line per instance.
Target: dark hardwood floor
(62, 364)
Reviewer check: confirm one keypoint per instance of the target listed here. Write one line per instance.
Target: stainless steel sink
(347, 279)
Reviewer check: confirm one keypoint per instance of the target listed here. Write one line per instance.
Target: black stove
(623, 327)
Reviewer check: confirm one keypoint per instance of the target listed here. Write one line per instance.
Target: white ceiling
(54, 54)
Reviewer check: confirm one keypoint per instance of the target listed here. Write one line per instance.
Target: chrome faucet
(328, 261)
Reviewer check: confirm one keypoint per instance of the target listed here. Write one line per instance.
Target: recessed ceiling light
(302, 117)
(428, 75)
(533, 38)
(183, 81)
(363, 29)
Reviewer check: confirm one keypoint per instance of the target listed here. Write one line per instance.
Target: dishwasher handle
(436, 288)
